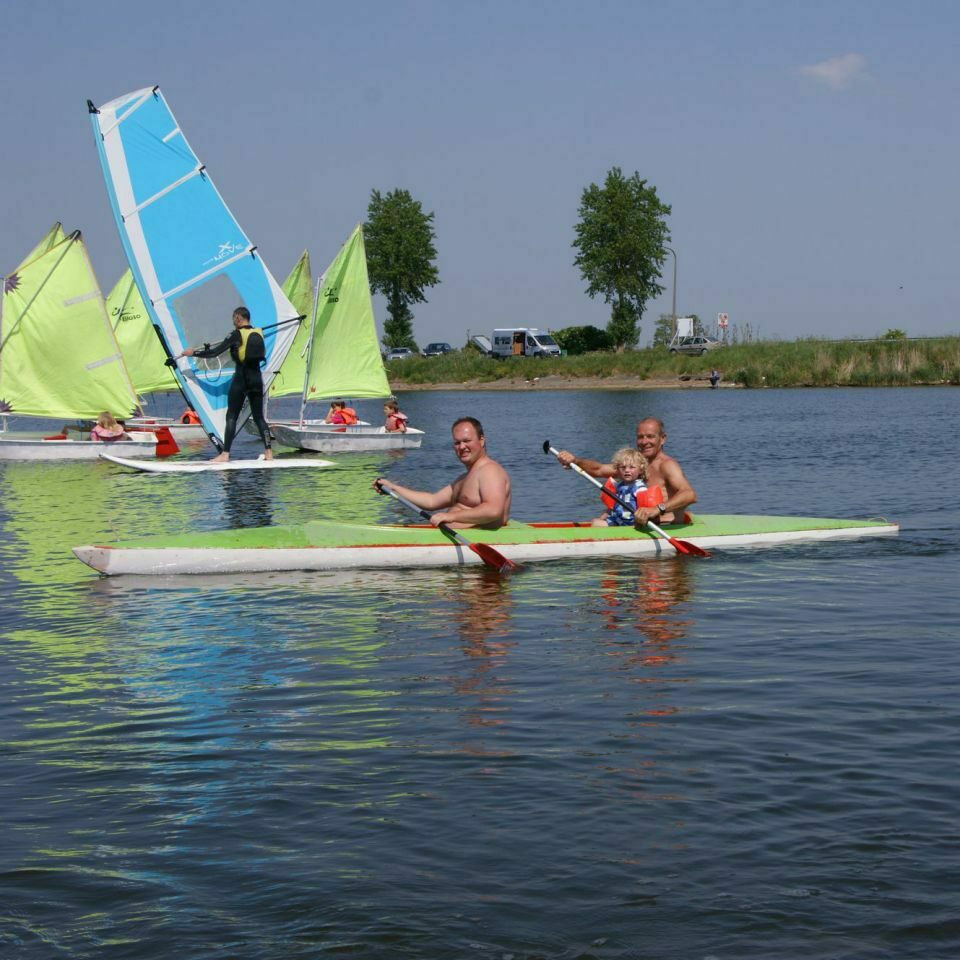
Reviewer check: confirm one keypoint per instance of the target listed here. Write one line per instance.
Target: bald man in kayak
(480, 497)
(662, 470)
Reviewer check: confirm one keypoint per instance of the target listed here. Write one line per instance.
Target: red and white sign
(722, 321)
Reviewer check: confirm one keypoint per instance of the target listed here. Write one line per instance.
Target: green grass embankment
(799, 363)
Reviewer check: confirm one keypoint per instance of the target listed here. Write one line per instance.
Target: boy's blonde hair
(632, 456)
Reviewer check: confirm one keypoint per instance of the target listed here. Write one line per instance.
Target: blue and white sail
(192, 262)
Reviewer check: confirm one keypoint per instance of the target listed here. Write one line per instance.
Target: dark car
(435, 350)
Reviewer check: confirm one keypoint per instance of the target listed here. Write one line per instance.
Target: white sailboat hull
(33, 447)
(356, 438)
(182, 432)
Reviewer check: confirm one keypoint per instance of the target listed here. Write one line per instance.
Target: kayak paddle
(492, 558)
(681, 546)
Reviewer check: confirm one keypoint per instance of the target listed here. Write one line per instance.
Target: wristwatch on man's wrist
(662, 507)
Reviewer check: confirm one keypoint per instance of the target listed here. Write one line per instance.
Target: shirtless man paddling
(480, 497)
(662, 470)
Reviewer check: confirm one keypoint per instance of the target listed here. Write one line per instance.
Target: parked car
(400, 353)
(435, 350)
(698, 346)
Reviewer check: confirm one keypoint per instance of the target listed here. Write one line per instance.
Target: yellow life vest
(251, 349)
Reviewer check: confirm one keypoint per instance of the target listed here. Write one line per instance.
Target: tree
(620, 243)
(663, 332)
(577, 340)
(400, 259)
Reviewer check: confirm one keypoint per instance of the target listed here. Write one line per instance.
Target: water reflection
(481, 613)
(642, 596)
(644, 599)
(248, 498)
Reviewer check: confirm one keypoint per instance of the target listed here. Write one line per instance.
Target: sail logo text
(226, 250)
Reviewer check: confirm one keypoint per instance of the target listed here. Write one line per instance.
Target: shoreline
(556, 382)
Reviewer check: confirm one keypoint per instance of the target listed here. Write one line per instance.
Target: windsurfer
(480, 497)
(662, 471)
(246, 348)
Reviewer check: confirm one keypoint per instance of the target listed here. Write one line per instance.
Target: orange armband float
(650, 497)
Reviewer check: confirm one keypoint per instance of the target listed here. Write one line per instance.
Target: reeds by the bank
(798, 363)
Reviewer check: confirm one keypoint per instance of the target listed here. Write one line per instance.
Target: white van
(523, 342)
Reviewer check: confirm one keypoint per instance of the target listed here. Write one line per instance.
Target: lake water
(751, 756)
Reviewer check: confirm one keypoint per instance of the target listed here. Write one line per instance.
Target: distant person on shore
(106, 429)
(396, 422)
(248, 351)
(629, 484)
(479, 497)
(662, 471)
(714, 379)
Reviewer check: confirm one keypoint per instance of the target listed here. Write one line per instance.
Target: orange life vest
(349, 415)
(645, 498)
(189, 416)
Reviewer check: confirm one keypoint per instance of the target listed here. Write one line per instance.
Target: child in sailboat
(396, 421)
(340, 413)
(106, 428)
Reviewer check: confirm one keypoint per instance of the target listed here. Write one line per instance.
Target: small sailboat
(59, 356)
(191, 261)
(340, 358)
(144, 357)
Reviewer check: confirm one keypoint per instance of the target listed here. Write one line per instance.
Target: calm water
(752, 756)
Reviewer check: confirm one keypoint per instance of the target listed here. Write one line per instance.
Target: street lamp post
(673, 308)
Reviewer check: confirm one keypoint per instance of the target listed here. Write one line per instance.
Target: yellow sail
(299, 290)
(58, 354)
(142, 350)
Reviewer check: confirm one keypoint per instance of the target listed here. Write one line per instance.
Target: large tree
(400, 259)
(620, 249)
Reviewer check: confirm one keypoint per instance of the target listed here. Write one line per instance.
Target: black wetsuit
(247, 384)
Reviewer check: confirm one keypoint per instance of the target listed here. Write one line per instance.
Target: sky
(808, 151)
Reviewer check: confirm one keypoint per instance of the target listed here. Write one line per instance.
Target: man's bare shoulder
(493, 469)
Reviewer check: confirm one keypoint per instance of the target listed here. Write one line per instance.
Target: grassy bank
(799, 363)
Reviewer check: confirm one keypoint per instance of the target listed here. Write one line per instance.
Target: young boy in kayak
(629, 483)
(662, 471)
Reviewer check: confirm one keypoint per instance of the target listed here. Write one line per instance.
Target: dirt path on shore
(554, 382)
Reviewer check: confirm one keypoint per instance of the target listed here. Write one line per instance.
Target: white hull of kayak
(33, 447)
(356, 438)
(175, 561)
(208, 466)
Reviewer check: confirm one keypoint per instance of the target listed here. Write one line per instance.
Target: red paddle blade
(492, 558)
(684, 546)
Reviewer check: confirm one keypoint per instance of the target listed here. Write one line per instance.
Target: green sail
(345, 358)
(53, 236)
(299, 290)
(141, 348)
(58, 354)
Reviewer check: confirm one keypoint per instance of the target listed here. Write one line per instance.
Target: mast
(313, 330)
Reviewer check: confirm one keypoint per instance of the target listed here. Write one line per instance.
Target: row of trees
(620, 240)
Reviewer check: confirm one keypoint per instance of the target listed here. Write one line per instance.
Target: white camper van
(523, 342)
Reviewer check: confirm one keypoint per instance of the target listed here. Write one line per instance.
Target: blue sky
(809, 151)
